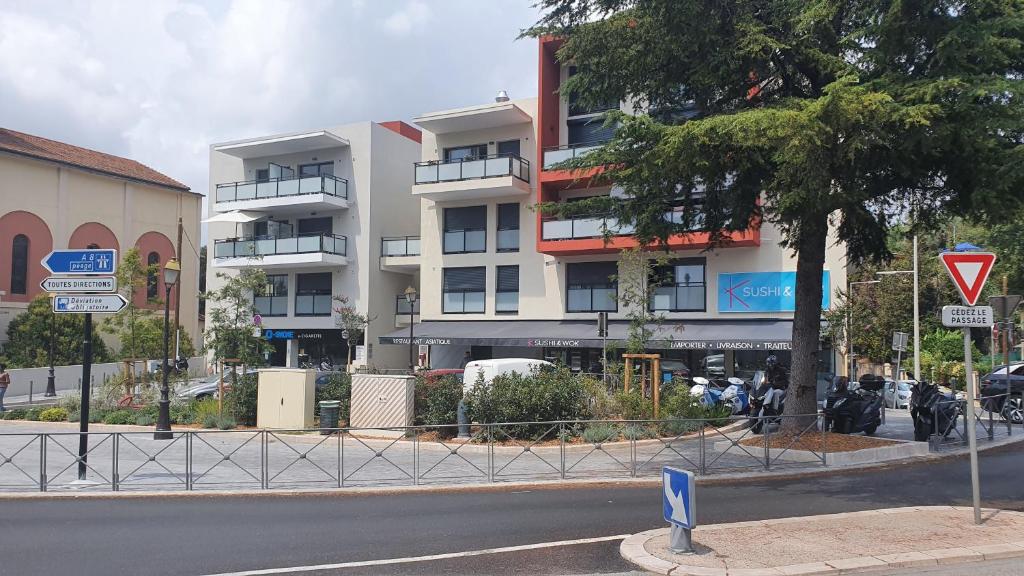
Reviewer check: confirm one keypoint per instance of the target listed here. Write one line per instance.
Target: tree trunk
(801, 396)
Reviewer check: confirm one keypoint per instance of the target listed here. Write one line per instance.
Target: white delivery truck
(492, 368)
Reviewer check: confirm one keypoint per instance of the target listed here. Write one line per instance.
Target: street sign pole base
(679, 541)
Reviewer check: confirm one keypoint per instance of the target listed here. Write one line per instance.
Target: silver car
(897, 394)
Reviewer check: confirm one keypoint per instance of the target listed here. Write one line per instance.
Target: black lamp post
(410, 297)
(51, 387)
(163, 422)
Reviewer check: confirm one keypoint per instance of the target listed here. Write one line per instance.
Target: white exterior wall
(377, 163)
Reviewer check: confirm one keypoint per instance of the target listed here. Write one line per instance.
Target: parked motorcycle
(766, 403)
(849, 411)
(932, 411)
(730, 392)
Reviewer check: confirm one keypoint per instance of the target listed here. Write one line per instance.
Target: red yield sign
(969, 271)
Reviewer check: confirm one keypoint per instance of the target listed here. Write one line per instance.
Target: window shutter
(508, 216)
(589, 273)
(466, 218)
(472, 279)
(508, 279)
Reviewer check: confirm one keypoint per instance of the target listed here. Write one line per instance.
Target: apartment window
(459, 153)
(152, 284)
(577, 109)
(506, 290)
(680, 287)
(273, 301)
(19, 264)
(589, 131)
(592, 287)
(313, 294)
(271, 229)
(316, 225)
(508, 148)
(319, 169)
(465, 230)
(263, 174)
(463, 290)
(508, 227)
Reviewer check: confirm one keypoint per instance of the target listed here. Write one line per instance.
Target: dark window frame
(501, 228)
(477, 148)
(20, 246)
(569, 285)
(313, 292)
(703, 263)
(445, 231)
(445, 291)
(319, 170)
(498, 289)
(273, 293)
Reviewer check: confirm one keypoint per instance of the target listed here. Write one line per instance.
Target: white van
(492, 368)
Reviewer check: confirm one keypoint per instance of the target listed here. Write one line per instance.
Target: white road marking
(431, 558)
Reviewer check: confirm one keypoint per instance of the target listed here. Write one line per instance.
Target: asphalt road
(184, 536)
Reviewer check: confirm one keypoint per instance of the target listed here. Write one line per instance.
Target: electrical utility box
(285, 398)
(381, 400)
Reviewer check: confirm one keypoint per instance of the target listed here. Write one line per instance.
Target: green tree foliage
(131, 279)
(229, 328)
(346, 317)
(149, 338)
(28, 337)
(804, 114)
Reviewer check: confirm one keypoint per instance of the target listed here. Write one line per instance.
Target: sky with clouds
(159, 80)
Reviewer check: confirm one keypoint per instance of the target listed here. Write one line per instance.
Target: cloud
(415, 14)
(159, 81)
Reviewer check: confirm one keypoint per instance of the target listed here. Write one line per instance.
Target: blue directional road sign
(88, 303)
(98, 261)
(679, 501)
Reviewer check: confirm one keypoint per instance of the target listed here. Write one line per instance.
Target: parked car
(491, 368)
(897, 394)
(207, 388)
(993, 386)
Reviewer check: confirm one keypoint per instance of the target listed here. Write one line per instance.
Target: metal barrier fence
(415, 455)
(994, 418)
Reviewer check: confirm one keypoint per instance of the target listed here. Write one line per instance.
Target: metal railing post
(991, 427)
(561, 449)
(114, 480)
(632, 451)
(341, 459)
(42, 462)
(338, 449)
(188, 461)
(824, 439)
(416, 457)
(490, 452)
(767, 446)
(264, 457)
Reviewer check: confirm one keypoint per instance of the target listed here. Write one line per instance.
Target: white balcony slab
(280, 261)
(286, 204)
(481, 188)
(473, 118)
(401, 264)
(281, 144)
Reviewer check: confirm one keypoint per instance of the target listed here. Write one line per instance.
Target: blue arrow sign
(679, 501)
(99, 261)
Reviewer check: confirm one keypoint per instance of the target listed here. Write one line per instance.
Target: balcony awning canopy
(754, 334)
(473, 118)
(281, 144)
(236, 217)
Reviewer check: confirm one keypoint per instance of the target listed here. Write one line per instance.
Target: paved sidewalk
(875, 540)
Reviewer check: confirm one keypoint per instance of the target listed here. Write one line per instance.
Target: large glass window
(273, 301)
(153, 261)
(680, 286)
(320, 169)
(508, 227)
(19, 264)
(471, 152)
(465, 229)
(506, 290)
(592, 287)
(589, 130)
(508, 148)
(313, 294)
(464, 290)
(316, 225)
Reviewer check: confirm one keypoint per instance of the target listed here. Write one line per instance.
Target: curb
(633, 550)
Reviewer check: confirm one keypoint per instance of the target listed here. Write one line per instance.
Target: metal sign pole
(83, 419)
(972, 440)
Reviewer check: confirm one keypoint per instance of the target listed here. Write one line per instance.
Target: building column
(292, 353)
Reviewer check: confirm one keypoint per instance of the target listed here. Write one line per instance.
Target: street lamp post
(163, 423)
(410, 297)
(917, 310)
(849, 322)
(51, 386)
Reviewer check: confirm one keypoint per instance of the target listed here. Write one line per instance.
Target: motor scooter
(933, 412)
(848, 411)
(766, 403)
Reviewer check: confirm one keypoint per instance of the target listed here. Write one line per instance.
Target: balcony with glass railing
(400, 254)
(294, 193)
(301, 250)
(473, 177)
(558, 154)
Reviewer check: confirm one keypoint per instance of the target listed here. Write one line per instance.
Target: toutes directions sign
(82, 284)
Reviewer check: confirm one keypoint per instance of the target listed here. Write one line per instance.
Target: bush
(96, 415)
(144, 419)
(540, 396)
(338, 387)
(53, 415)
(437, 402)
(240, 401)
(203, 410)
(119, 417)
(74, 416)
(600, 432)
(182, 413)
(634, 406)
(14, 414)
(219, 422)
(33, 414)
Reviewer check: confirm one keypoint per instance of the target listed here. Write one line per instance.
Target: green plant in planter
(33, 414)
(54, 415)
(600, 432)
(122, 417)
(143, 419)
(437, 402)
(15, 414)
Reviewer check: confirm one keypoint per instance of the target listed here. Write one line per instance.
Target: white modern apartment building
(310, 209)
(498, 279)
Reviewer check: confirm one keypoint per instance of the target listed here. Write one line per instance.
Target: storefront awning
(690, 335)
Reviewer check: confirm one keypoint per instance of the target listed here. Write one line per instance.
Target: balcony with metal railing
(400, 254)
(298, 251)
(285, 194)
(404, 310)
(472, 178)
